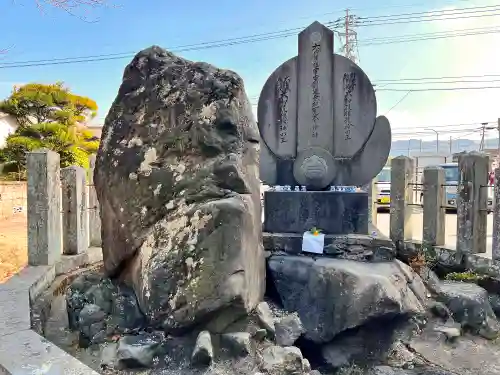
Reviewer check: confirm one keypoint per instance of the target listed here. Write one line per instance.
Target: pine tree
(52, 117)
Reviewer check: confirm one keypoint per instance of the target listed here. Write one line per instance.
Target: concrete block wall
(12, 199)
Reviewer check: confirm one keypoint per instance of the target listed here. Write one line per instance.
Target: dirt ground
(13, 245)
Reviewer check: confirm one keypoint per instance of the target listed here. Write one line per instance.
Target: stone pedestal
(331, 211)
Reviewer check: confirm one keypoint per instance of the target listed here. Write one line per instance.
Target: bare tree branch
(73, 6)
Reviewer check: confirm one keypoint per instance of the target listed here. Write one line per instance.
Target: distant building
(8, 125)
(96, 129)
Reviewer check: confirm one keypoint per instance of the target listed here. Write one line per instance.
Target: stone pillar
(434, 207)
(372, 206)
(44, 208)
(472, 201)
(94, 214)
(401, 199)
(496, 217)
(74, 204)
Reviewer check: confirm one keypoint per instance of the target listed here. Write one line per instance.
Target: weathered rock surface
(203, 352)
(137, 351)
(265, 317)
(368, 344)
(288, 330)
(333, 295)
(277, 360)
(98, 308)
(237, 343)
(177, 180)
(470, 307)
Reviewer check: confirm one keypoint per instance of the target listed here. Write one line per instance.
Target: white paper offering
(313, 243)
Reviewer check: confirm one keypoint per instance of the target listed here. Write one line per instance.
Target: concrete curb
(22, 350)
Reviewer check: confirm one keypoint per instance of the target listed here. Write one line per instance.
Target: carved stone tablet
(320, 101)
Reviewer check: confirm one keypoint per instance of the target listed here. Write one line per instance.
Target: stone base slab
(333, 212)
(354, 246)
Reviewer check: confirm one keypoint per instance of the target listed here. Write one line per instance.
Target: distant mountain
(403, 147)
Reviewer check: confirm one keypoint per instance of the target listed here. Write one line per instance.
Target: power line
(421, 35)
(440, 131)
(437, 82)
(436, 16)
(443, 88)
(436, 77)
(189, 47)
(437, 37)
(437, 13)
(399, 101)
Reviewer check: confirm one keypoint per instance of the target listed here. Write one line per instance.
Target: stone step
(352, 246)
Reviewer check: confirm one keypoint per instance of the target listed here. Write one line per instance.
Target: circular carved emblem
(314, 167)
(316, 37)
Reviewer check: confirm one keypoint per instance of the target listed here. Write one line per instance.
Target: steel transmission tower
(346, 30)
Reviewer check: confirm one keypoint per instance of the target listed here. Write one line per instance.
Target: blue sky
(134, 25)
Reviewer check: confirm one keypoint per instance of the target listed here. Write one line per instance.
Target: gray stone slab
(277, 110)
(315, 97)
(355, 109)
(366, 165)
(472, 201)
(44, 208)
(74, 207)
(94, 216)
(434, 206)
(267, 165)
(27, 353)
(332, 212)
(401, 198)
(71, 262)
(29, 277)
(356, 247)
(496, 218)
(14, 312)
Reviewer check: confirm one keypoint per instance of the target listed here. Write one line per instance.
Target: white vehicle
(383, 187)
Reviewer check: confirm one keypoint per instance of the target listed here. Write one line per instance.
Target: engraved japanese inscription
(349, 83)
(282, 97)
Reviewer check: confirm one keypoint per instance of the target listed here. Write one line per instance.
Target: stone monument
(319, 128)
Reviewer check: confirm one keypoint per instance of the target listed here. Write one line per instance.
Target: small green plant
(315, 231)
(467, 276)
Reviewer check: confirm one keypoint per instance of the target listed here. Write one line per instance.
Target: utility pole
(349, 36)
(437, 138)
(451, 148)
(483, 130)
(498, 156)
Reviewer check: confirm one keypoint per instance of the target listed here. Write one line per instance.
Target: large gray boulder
(470, 307)
(333, 295)
(177, 180)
